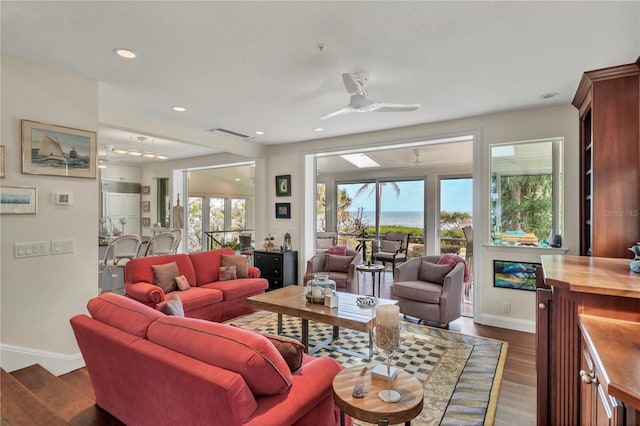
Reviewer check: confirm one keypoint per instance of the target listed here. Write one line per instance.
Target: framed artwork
(3, 161)
(283, 210)
(146, 190)
(283, 186)
(516, 275)
(146, 206)
(18, 200)
(58, 151)
(146, 221)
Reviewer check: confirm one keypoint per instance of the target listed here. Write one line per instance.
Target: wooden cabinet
(610, 387)
(279, 268)
(608, 101)
(568, 286)
(120, 174)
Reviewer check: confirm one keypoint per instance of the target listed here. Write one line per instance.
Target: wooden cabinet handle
(542, 306)
(588, 378)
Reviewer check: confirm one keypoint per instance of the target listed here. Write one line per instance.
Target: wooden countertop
(596, 275)
(616, 344)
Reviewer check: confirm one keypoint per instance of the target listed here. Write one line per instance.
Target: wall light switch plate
(62, 246)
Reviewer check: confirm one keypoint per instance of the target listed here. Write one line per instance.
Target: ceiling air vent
(226, 132)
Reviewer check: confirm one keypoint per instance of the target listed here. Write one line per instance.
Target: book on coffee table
(379, 371)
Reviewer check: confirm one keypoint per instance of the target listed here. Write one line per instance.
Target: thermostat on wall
(62, 198)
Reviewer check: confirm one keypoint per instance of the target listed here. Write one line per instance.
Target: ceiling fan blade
(342, 111)
(386, 107)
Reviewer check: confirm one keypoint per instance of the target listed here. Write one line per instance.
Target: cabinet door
(131, 210)
(113, 206)
(597, 408)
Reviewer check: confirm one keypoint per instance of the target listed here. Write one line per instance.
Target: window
(526, 185)
(321, 207)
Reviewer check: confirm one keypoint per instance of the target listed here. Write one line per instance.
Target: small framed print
(283, 210)
(146, 222)
(18, 200)
(146, 190)
(146, 206)
(283, 186)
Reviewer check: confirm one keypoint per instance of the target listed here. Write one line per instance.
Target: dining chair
(177, 232)
(119, 251)
(162, 243)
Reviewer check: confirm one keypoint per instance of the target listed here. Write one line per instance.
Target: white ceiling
(249, 66)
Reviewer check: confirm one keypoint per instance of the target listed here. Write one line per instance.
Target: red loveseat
(208, 297)
(151, 369)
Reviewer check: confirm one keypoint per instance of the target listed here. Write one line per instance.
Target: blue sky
(456, 195)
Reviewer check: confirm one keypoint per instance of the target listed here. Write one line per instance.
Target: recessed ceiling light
(237, 179)
(134, 153)
(162, 157)
(318, 129)
(119, 151)
(259, 132)
(148, 155)
(178, 108)
(124, 53)
(549, 95)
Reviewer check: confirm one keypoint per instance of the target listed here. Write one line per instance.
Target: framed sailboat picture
(58, 151)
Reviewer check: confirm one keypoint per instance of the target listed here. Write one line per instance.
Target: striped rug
(461, 373)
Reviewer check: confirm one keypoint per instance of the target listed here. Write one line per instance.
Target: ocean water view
(414, 219)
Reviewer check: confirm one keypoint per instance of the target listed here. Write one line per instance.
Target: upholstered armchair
(391, 248)
(428, 290)
(325, 240)
(340, 269)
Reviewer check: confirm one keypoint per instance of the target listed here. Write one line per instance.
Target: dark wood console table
(568, 286)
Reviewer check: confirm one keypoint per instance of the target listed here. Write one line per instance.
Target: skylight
(360, 160)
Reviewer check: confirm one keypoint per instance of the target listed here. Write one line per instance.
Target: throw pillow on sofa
(172, 306)
(433, 273)
(338, 250)
(240, 262)
(335, 263)
(290, 349)
(228, 273)
(164, 276)
(182, 283)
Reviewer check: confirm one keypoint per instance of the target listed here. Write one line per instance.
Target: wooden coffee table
(290, 300)
(371, 408)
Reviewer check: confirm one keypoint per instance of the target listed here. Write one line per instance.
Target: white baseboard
(16, 357)
(506, 322)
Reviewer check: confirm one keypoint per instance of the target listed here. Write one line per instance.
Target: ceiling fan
(356, 85)
(417, 162)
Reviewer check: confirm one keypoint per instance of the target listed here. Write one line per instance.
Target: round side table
(374, 269)
(371, 408)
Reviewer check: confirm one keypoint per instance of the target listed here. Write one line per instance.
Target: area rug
(461, 373)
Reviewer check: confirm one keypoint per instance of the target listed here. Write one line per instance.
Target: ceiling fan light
(124, 53)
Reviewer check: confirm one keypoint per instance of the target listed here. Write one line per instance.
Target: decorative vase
(635, 263)
(319, 287)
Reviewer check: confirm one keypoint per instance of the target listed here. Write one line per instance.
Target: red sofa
(207, 298)
(151, 369)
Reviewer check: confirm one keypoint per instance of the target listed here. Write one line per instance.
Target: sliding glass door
(368, 209)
